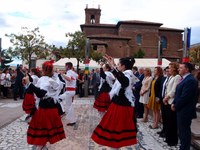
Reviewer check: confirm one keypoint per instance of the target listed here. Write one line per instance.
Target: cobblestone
(13, 136)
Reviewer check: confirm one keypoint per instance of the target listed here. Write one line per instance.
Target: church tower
(92, 15)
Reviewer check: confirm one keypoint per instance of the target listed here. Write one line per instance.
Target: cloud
(57, 18)
(195, 34)
(2, 22)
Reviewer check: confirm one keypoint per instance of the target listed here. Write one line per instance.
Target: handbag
(7, 83)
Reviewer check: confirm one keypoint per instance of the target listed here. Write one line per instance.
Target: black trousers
(80, 90)
(18, 90)
(139, 108)
(4, 91)
(171, 126)
(184, 129)
(164, 116)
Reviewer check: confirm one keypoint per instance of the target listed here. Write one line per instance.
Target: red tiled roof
(108, 36)
(170, 29)
(98, 25)
(139, 22)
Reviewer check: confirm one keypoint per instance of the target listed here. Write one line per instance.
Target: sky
(55, 18)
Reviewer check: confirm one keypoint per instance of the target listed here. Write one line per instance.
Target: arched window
(139, 39)
(164, 42)
(92, 19)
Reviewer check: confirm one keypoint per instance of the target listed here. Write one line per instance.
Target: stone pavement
(13, 136)
(9, 110)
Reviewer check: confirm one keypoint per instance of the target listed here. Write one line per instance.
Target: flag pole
(186, 45)
(159, 63)
(87, 51)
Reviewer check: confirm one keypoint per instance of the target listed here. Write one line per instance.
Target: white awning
(148, 62)
(61, 63)
(139, 62)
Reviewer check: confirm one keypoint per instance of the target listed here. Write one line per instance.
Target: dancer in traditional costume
(58, 78)
(70, 79)
(103, 101)
(118, 126)
(46, 125)
(28, 104)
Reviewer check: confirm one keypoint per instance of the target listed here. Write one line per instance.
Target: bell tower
(92, 15)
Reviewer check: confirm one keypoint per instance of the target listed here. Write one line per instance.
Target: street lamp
(33, 61)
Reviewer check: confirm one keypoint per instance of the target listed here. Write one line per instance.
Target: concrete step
(196, 144)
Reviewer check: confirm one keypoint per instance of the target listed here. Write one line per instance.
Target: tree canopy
(195, 56)
(27, 44)
(76, 48)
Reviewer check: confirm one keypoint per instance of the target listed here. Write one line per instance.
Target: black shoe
(27, 119)
(162, 135)
(159, 132)
(71, 124)
(138, 116)
(15, 99)
(172, 144)
(62, 114)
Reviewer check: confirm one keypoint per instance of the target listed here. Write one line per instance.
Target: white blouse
(171, 87)
(4, 77)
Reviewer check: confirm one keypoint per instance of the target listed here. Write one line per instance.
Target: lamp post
(33, 61)
(87, 50)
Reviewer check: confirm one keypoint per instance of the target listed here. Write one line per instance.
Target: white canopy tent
(150, 62)
(139, 62)
(61, 63)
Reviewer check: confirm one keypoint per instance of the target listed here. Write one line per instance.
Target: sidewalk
(10, 110)
(13, 136)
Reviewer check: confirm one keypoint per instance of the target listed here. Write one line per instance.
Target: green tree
(58, 52)
(5, 59)
(76, 46)
(195, 56)
(97, 56)
(27, 44)
(139, 54)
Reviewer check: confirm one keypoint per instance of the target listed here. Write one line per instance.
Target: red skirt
(102, 102)
(117, 127)
(28, 103)
(45, 126)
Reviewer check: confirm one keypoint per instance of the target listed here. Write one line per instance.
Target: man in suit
(96, 82)
(185, 104)
(18, 86)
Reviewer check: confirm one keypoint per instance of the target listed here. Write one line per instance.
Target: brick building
(126, 37)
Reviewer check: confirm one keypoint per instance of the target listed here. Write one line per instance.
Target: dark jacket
(185, 97)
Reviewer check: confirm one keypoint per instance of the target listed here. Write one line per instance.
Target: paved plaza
(13, 135)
